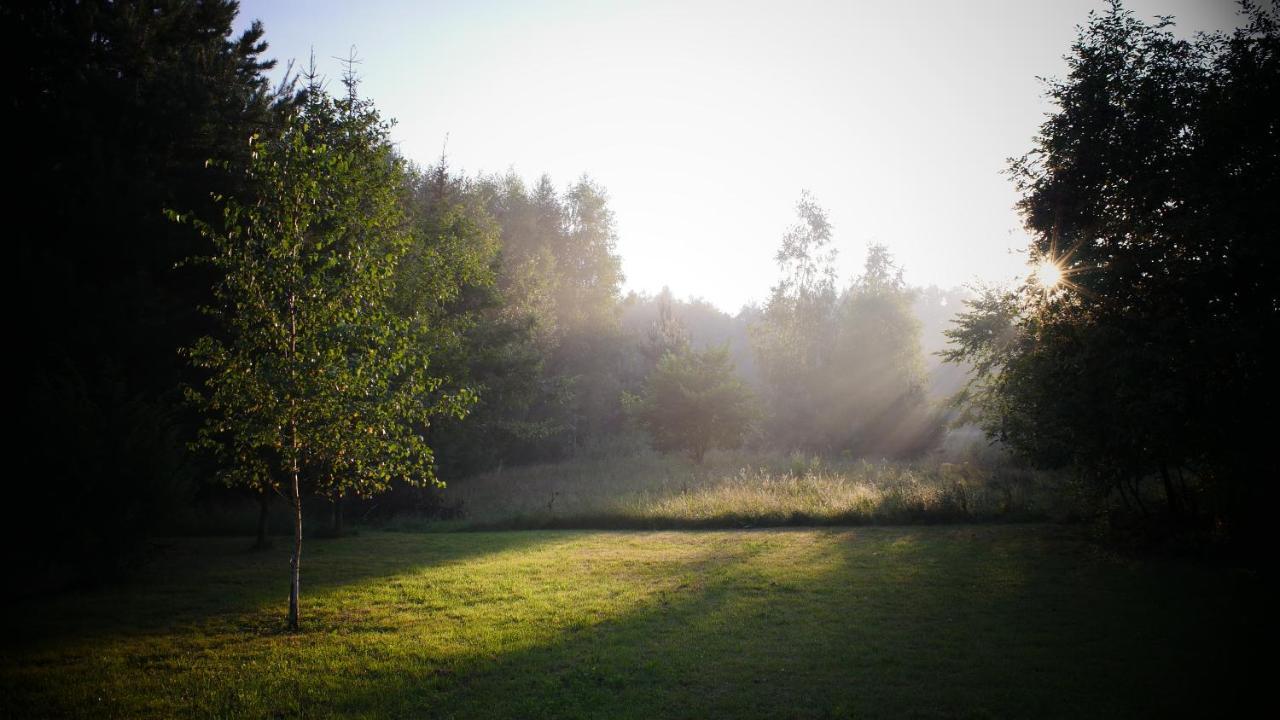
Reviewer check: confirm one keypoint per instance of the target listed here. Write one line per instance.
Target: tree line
(225, 283)
(229, 279)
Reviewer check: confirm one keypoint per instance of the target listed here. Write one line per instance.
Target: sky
(706, 120)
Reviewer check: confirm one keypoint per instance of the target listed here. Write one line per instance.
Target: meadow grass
(937, 621)
(645, 490)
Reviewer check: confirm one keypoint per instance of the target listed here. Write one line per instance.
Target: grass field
(955, 621)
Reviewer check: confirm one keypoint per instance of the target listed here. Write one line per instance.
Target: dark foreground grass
(959, 621)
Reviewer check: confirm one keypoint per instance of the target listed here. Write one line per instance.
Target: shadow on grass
(890, 622)
(966, 622)
(205, 582)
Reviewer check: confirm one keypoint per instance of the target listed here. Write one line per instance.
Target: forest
(313, 428)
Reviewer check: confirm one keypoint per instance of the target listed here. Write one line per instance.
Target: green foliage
(791, 337)
(694, 402)
(874, 401)
(484, 339)
(1152, 187)
(662, 323)
(590, 271)
(560, 274)
(447, 274)
(317, 373)
(314, 375)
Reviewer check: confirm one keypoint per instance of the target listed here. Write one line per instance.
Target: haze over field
(705, 120)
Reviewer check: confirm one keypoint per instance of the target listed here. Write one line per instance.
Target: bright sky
(705, 120)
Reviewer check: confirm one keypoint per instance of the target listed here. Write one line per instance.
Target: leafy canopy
(313, 370)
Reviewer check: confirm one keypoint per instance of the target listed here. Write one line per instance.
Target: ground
(956, 621)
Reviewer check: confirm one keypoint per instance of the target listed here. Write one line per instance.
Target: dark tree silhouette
(117, 108)
(1152, 190)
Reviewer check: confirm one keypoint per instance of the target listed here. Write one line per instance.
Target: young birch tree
(314, 383)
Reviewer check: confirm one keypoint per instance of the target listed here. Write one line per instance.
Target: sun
(1047, 274)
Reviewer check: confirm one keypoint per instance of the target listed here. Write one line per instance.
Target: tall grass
(648, 490)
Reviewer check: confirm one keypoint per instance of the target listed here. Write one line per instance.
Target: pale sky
(705, 120)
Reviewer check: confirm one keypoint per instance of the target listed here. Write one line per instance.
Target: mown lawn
(958, 621)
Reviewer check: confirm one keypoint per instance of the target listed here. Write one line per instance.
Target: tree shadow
(216, 581)
(930, 622)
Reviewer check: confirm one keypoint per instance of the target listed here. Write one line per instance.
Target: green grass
(940, 621)
(645, 490)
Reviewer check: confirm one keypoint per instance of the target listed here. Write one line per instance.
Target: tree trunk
(264, 509)
(1170, 494)
(337, 516)
(1136, 489)
(295, 563)
(1124, 495)
(1192, 506)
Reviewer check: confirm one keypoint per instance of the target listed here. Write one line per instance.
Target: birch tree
(314, 382)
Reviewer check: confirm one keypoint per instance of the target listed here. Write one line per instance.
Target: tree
(791, 337)
(485, 340)
(590, 269)
(843, 368)
(694, 402)
(666, 335)
(559, 269)
(873, 399)
(1135, 350)
(118, 106)
(313, 375)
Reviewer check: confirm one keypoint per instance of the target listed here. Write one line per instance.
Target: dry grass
(647, 490)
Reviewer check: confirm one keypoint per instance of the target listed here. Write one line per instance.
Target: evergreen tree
(694, 402)
(119, 107)
(485, 340)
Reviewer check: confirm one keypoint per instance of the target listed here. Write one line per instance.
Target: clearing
(970, 621)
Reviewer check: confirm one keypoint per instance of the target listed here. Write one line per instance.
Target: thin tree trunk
(264, 509)
(337, 516)
(1187, 495)
(1136, 489)
(1171, 495)
(1123, 495)
(295, 563)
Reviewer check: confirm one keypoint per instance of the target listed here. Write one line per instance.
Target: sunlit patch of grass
(737, 490)
(1005, 621)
